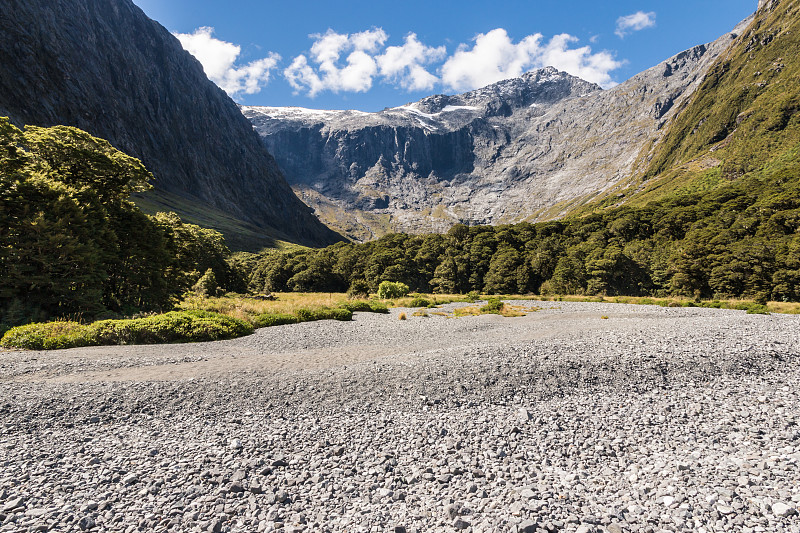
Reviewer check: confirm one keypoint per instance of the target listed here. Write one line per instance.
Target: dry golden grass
(506, 311)
(249, 308)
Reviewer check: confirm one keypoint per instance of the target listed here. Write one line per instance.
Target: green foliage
(357, 305)
(71, 243)
(172, 327)
(207, 285)
(493, 305)
(757, 309)
(392, 289)
(378, 307)
(266, 320)
(419, 302)
(472, 297)
(359, 288)
(310, 315)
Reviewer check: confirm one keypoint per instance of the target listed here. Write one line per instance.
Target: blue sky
(373, 54)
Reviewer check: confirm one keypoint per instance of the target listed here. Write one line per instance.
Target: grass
(303, 306)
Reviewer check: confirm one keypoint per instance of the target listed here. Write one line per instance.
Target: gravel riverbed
(650, 420)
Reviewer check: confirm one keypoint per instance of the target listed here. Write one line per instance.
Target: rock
(461, 524)
(130, 479)
(236, 444)
(528, 526)
(724, 509)
(13, 504)
(87, 522)
(781, 509)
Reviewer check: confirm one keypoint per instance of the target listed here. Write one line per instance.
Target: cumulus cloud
(219, 62)
(330, 71)
(404, 64)
(494, 57)
(636, 22)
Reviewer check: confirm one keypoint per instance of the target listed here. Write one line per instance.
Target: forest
(736, 241)
(72, 244)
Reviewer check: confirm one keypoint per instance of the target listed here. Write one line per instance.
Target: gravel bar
(579, 417)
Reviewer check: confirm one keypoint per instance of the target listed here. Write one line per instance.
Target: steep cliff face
(103, 66)
(529, 148)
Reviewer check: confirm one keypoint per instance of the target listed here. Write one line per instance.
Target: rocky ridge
(521, 149)
(103, 66)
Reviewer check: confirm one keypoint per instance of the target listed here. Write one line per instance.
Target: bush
(757, 309)
(175, 326)
(207, 285)
(378, 307)
(172, 327)
(472, 297)
(392, 289)
(419, 302)
(266, 320)
(365, 307)
(311, 315)
(401, 316)
(47, 336)
(494, 305)
(359, 288)
(357, 305)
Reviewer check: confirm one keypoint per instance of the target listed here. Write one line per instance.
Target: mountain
(741, 128)
(103, 66)
(530, 148)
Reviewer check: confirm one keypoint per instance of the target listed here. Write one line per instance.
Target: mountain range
(524, 149)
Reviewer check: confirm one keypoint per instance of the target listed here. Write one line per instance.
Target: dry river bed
(654, 419)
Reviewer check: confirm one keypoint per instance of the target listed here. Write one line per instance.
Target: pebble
(669, 419)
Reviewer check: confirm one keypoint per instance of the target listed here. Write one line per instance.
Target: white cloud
(218, 59)
(636, 22)
(355, 74)
(495, 57)
(404, 64)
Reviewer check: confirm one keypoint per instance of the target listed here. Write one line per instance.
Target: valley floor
(652, 419)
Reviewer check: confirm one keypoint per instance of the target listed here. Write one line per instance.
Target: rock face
(528, 148)
(103, 66)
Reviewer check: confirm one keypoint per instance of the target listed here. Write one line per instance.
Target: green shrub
(357, 305)
(392, 289)
(419, 302)
(47, 336)
(266, 320)
(3, 329)
(311, 315)
(207, 285)
(359, 288)
(472, 297)
(175, 326)
(757, 309)
(378, 307)
(494, 305)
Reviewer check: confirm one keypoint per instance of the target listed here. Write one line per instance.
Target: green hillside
(741, 131)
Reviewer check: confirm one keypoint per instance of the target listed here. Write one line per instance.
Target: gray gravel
(652, 420)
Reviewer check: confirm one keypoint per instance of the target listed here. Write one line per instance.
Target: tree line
(739, 240)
